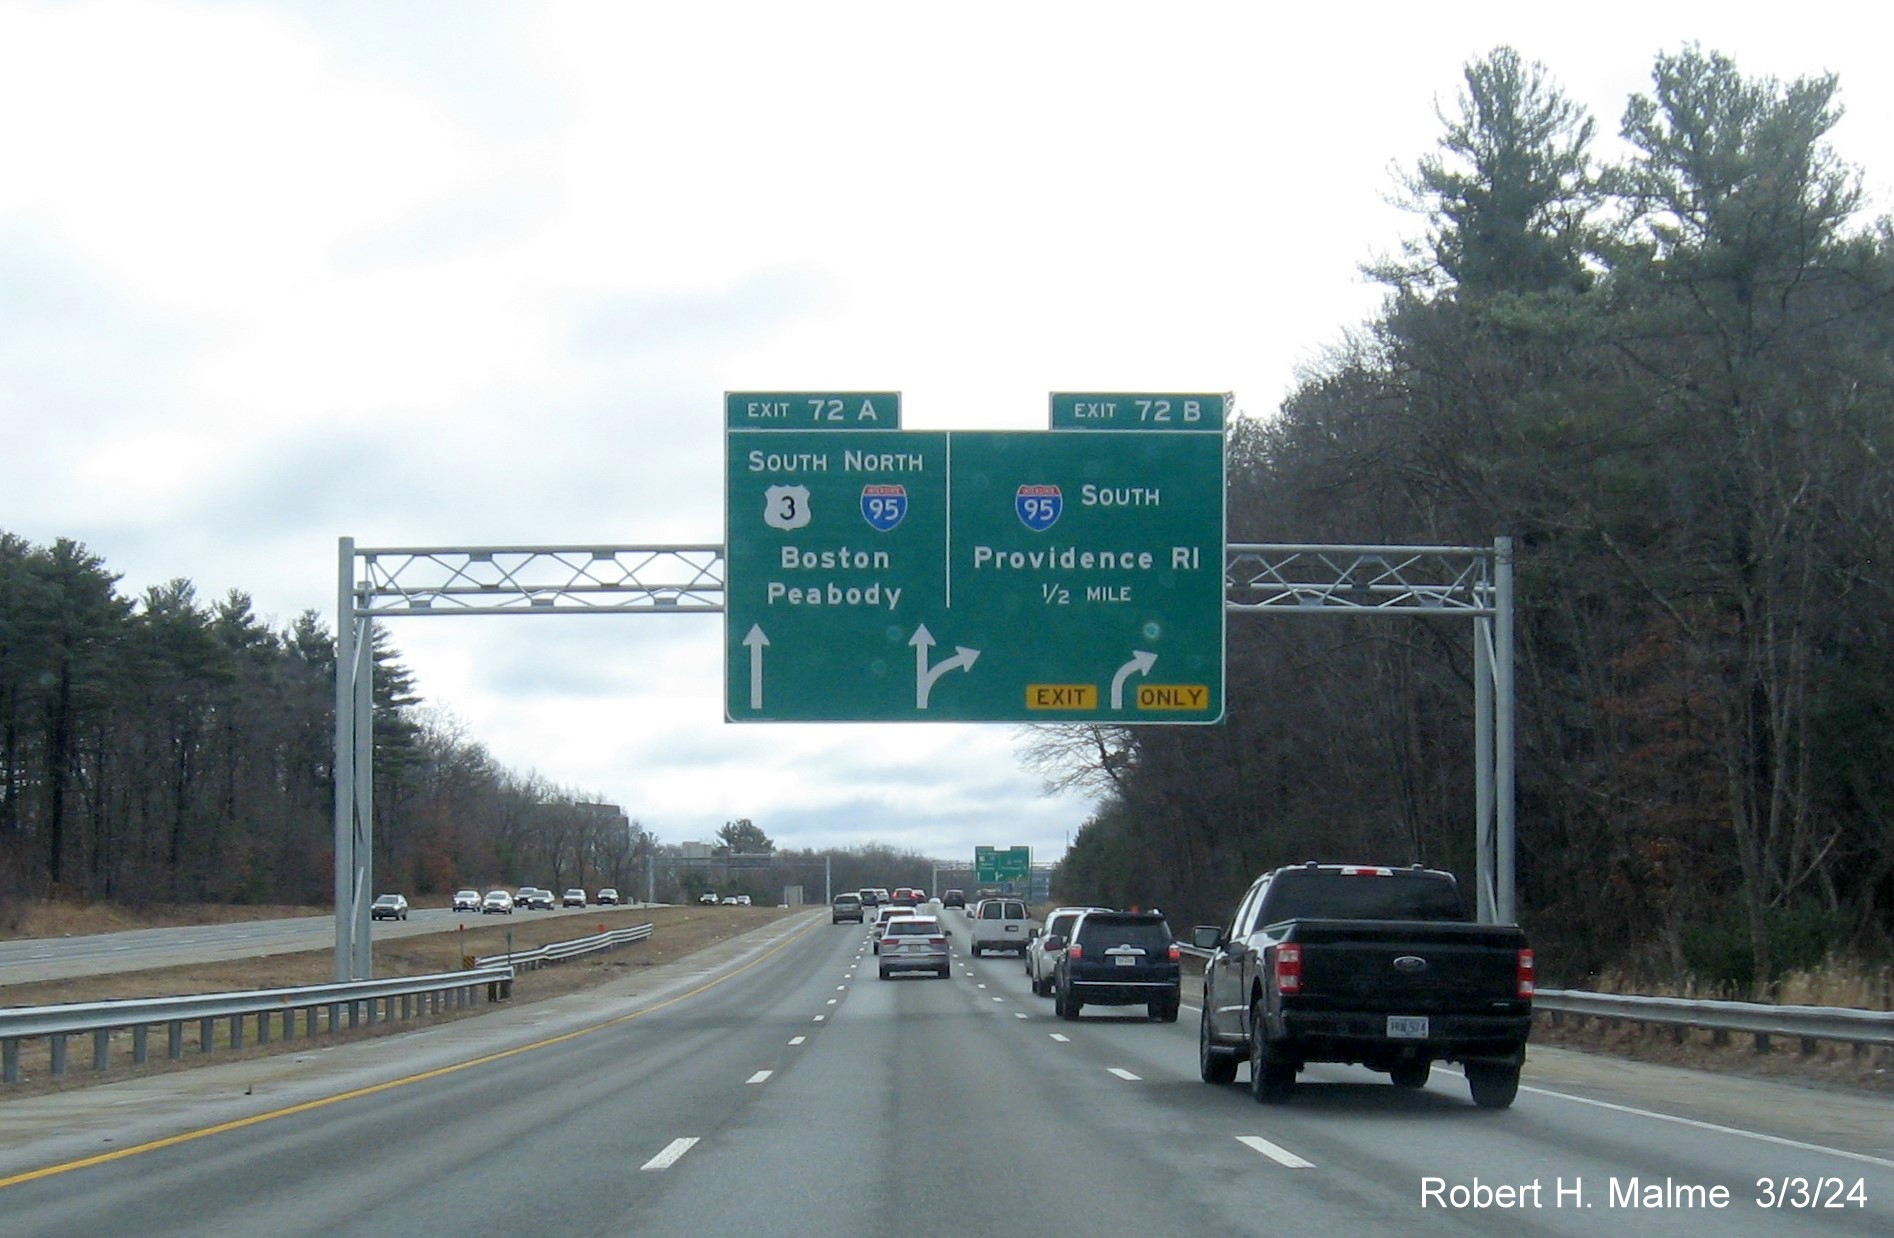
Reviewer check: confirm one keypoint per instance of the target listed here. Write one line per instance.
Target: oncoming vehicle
(709, 897)
(497, 903)
(573, 898)
(389, 907)
(912, 943)
(467, 900)
(608, 897)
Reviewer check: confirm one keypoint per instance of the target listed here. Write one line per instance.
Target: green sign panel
(974, 576)
(1104, 411)
(996, 864)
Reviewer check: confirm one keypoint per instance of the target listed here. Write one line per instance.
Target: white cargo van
(1001, 924)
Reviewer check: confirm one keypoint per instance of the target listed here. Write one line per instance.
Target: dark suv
(846, 907)
(1118, 958)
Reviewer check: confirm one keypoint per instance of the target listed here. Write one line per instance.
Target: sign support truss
(1471, 582)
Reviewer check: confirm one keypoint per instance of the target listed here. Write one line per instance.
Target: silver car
(912, 943)
(1039, 960)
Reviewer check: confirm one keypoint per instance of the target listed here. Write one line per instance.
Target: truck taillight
(1525, 973)
(1288, 969)
(1174, 954)
(1075, 952)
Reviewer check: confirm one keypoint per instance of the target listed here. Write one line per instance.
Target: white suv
(1039, 960)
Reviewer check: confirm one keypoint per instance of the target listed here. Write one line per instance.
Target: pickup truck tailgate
(1353, 965)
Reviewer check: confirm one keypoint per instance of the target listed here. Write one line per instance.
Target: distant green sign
(1143, 411)
(996, 864)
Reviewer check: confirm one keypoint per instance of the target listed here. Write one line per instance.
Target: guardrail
(348, 1004)
(1806, 1024)
(559, 951)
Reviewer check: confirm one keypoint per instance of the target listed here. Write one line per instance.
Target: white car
(467, 900)
(496, 903)
(1039, 960)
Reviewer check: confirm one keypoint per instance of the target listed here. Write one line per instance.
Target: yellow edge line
(254, 1119)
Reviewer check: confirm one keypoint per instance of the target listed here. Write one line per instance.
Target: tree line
(162, 749)
(1670, 379)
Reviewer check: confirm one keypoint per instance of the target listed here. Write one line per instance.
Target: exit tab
(812, 410)
(1040, 696)
(1074, 410)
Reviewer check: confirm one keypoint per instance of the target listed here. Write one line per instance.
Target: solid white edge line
(759, 1076)
(1693, 1123)
(672, 1151)
(1280, 1155)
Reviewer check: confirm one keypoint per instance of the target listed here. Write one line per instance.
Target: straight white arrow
(756, 642)
(1141, 662)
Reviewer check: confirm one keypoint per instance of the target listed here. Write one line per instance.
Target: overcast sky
(479, 273)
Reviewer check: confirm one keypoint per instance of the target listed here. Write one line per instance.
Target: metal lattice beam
(507, 580)
(1455, 580)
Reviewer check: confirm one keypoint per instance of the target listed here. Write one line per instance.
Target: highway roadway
(56, 958)
(776, 1086)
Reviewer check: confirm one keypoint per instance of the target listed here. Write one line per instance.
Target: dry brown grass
(677, 932)
(64, 919)
(1838, 982)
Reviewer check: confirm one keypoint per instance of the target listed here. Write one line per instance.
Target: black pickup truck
(1364, 964)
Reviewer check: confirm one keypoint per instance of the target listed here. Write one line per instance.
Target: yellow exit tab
(1061, 696)
(1176, 696)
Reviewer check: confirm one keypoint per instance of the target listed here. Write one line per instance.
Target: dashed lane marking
(759, 1076)
(1275, 1152)
(1124, 1074)
(672, 1151)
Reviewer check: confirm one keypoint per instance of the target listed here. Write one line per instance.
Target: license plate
(1407, 1027)
(1126, 960)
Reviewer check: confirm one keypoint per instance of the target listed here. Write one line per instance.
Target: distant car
(869, 896)
(730, 900)
(1042, 956)
(743, 900)
(954, 898)
(574, 897)
(467, 900)
(846, 907)
(608, 897)
(389, 907)
(533, 898)
(1117, 958)
(497, 902)
(708, 896)
(912, 943)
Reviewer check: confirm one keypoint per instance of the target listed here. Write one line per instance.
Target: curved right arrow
(1141, 662)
